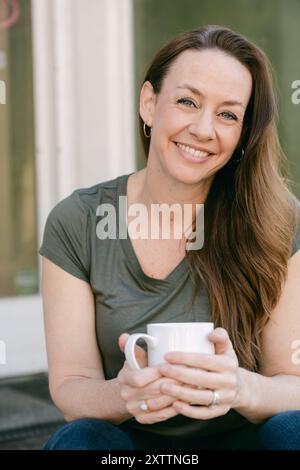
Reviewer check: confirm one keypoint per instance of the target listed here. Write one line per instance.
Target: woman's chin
(186, 176)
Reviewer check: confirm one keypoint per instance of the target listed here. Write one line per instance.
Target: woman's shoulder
(68, 225)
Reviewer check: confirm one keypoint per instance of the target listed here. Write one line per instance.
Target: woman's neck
(157, 187)
(151, 186)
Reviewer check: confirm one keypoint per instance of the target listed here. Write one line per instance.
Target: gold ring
(215, 400)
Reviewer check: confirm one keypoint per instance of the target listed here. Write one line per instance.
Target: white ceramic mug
(165, 337)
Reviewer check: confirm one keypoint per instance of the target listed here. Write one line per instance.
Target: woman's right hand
(144, 385)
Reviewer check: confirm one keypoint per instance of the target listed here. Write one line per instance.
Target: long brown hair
(250, 215)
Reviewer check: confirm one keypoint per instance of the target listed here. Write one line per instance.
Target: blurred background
(70, 74)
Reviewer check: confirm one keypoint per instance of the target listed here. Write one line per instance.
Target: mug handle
(130, 347)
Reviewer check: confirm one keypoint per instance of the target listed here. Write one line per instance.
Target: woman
(207, 115)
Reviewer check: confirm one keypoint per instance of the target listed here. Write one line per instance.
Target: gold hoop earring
(145, 133)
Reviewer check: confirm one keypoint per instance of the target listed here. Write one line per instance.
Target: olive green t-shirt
(126, 299)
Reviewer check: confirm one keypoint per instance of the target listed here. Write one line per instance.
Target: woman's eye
(229, 116)
(186, 101)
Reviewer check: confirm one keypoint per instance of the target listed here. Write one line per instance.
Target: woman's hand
(142, 385)
(203, 375)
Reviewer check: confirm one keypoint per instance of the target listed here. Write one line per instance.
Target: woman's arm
(76, 379)
(262, 397)
(277, 387)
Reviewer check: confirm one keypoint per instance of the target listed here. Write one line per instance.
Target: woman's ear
(147, 103)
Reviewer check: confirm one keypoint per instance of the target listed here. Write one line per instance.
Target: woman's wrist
(122, 414)
(248, 391)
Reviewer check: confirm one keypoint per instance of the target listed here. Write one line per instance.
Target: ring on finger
(216, 400)
(144, 406)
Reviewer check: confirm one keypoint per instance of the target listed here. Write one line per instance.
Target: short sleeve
(296, 240)
(65, 235)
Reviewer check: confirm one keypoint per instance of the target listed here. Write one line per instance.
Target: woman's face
(200, 108)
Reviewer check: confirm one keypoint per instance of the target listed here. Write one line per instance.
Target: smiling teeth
(195, 153)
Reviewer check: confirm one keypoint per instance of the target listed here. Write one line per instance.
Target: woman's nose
(202, 126)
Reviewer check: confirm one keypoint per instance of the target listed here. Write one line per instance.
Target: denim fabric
(280, 432)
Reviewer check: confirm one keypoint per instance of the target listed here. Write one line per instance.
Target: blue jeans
(280, 432)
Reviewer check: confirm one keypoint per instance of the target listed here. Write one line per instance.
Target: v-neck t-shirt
(126, 299)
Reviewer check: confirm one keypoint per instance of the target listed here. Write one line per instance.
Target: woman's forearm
(91, 398)
(261, 397)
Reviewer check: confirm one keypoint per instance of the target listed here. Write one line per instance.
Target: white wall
(84, 125)
(105, 89)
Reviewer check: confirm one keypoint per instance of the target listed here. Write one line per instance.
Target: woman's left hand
(208, 378)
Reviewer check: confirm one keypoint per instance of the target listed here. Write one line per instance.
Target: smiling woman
(207, 121)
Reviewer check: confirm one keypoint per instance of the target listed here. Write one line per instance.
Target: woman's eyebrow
(197, 92)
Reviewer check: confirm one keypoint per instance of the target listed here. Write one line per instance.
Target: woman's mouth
(191, 154)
